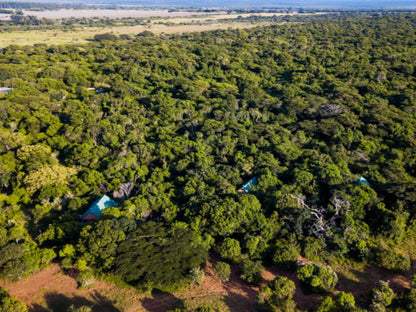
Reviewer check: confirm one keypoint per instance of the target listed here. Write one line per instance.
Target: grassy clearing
(58, 37)
(157, 25)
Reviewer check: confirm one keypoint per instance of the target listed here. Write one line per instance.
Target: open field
(82, 36)
(179, 24)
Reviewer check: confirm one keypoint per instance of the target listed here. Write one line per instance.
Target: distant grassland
(157, 26)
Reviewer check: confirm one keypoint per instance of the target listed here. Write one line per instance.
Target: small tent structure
(363, 180)
(245, 189)
(94, 212)
(5, 89)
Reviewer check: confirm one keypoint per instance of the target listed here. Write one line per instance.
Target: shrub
(197, 276)
(230, 249)
(86, 278)
(285, 253)
(106, 36)
(382, 296)
(342, 302)
(10, 304)
(277, 296)
(318, 277)
(223, 271)
(251, 271)
(391, 259)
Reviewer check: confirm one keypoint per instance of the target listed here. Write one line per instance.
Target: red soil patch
(52, 288)
(237, 294)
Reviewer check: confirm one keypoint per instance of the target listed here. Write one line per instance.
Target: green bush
(285, 253)
(86, 278)
(343, 302)
(390, 258)
(251, 271)
(223, 271)
(277, 296)
(10, 304)
(197, 276)
(230, 249)
(106, 36)
(381, 297)
(318, 277)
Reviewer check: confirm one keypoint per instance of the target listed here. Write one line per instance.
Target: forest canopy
(307, 108)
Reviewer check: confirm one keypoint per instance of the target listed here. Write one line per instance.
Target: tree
(187, 119)
(105, 37)
(277, 296)
(286, 252)
(382, 296)
(86, 278)
(223, 271)
(251, 271)
(48, 175)
(18, 261)
(10, 304)
(342, 302)
(230, 249)
(156, 256)
(10, 139)
(98, 243)
(391, 258)
(411, 306)
(318, 277)
(197, 276)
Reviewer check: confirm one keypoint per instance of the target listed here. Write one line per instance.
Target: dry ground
(57, 37)
(157, 25)
(52, 290)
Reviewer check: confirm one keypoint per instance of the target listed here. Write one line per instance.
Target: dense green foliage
(277, 296)
(307, 108)
(382, 297)
(318, 277)
(10, 304)
(223, 271)
(158, 257)
(341, 302)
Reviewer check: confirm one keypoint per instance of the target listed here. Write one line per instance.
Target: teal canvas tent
(94, 212)
(363, 180)
(248, 186)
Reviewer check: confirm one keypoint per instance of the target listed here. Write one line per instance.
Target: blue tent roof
(363, 180)
(99, 205)
(247, 187)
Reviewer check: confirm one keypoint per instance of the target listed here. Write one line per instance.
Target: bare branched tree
(320, 226)
(341, 206)
(330, 109)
